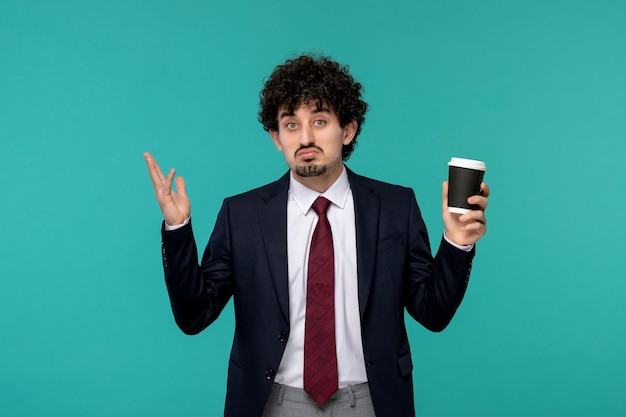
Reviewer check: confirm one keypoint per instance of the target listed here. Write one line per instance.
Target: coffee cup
(464, 179)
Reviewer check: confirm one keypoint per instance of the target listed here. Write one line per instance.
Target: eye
(319, 122)
(291, 125)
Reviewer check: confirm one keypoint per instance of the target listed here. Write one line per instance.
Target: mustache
(295, 154)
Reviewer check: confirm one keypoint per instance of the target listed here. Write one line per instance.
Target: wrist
(176, 225)
(455, 242)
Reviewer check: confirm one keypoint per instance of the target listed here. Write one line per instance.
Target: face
(311, 140)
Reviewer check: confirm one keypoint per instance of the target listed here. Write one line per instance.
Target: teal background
(534, 88)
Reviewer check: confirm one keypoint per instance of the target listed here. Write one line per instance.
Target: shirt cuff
(169, 228)
(464, 248)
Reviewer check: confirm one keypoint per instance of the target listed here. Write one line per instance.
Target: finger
(473, 216)
(170, 178)
(484, 189)
(480, 201)
(181, 187)
(475, 227)
(153, 169)
(444, 195)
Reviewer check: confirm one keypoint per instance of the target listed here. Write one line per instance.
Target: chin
(310, 170)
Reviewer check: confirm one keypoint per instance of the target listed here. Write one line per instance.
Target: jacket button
(269, 374)
(283, 337)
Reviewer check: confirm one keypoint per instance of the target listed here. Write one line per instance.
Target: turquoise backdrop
(537, 89)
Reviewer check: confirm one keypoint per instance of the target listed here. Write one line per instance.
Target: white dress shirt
(301, 221)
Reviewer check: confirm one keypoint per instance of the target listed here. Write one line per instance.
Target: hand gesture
(175, 206)
(468, 228)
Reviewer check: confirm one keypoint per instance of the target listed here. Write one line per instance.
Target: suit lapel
(366, 211)
(273, 221)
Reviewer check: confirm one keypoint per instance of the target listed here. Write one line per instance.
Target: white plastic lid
(467, 163)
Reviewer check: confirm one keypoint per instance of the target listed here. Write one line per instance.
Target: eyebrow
(286, 114)
(318, 109)
(321, 109)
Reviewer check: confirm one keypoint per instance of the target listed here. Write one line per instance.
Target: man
(319, 285)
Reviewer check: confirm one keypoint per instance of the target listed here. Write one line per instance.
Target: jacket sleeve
(198, 294)
(434, 287)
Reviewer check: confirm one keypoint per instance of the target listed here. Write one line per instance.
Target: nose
(306, 136)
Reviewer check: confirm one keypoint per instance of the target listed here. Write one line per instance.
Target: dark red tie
(320, 356)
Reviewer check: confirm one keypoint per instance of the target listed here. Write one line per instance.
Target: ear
(349, 131)
(276, 139)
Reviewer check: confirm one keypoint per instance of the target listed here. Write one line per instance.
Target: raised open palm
(175, 205)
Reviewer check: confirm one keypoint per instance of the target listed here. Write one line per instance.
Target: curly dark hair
(313, 78)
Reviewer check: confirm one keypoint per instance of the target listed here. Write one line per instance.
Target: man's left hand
(468, 228)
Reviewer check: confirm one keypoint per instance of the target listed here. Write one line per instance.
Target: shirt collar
(305, 197)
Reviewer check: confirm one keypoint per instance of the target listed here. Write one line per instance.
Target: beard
(310, 170)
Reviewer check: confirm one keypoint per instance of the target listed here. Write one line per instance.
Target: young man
(319, 285)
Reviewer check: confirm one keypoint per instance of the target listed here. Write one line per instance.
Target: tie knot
(320, 205)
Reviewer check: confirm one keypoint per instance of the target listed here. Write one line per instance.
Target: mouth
(307, 154)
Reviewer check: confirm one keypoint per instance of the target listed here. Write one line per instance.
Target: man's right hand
(175, 206)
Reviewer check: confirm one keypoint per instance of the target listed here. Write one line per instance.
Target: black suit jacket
(246, 258)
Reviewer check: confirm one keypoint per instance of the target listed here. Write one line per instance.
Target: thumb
(444, 195)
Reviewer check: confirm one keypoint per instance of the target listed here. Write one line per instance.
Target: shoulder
(262, 193)
(359, 183)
